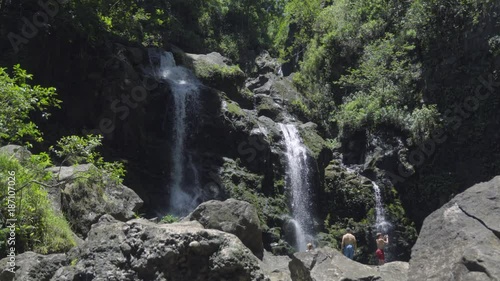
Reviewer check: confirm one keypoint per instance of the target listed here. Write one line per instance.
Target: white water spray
(381, 224)
(297, 177)
(185, 183)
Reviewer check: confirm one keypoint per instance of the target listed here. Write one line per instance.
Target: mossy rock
(348, 201)
(217, 74)
(312, 139)
(266, 106)
(238, 118)
(345, 194)
(234, 109)
(241, 184)
(215, 71)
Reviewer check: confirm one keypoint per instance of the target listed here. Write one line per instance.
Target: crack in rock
(496, 233)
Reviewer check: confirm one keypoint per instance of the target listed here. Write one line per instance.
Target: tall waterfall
(185, 187)
(297, 178)
(381, 223)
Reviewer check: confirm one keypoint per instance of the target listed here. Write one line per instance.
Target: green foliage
(300, 108)
(227, 26)
(19, 100)
(359, 69)
(169, 219)
(243, 185)
(386, 92)
(214, 72)
(333, 144)
(38, 227)
(82, 149)
(234, 109)
(300, 17)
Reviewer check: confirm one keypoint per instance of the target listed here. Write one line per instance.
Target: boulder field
(460, 241)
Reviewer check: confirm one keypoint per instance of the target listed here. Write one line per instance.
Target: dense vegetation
(415, 69)
(25, 182)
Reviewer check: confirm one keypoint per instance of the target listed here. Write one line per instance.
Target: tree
(19, 100)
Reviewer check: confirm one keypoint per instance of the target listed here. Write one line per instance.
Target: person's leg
(348, 251)
(380, 256)
(351, 252)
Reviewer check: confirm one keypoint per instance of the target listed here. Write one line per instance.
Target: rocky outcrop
(19, 152)
(30, 266)
(265, 63)
(267, 106)
(142, 250)
(232, 216)
(216, 71)
(84, 202)
(461, 240)
(276, 267)
(326, 264)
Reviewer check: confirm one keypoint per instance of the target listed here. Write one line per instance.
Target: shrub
(169, 219)
(78, 150)
(19, 100)
(38, 227)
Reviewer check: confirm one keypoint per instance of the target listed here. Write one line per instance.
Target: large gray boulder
(30, 266)
(461, 240)
(21, 153)
(142, 250)
(83, 203)
(232, 216)
(276, 267)
(326, 264)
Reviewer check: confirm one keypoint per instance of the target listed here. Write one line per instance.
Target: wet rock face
(461, 240)
(232, 216)
(142, 250)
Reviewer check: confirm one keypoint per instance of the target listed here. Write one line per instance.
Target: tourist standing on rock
(309, 247)
(381, 240)
(348, 244)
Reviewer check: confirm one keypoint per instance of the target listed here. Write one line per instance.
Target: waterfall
(280, 72)
(297, 178)
(185, 188)
(381, 224)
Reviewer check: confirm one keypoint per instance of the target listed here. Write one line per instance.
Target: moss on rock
(312, 140)
(215, 71)
(267, 107)
(241, 184)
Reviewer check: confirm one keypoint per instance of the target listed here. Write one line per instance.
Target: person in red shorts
(381, 240)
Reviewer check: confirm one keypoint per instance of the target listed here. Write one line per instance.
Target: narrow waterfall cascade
(381, 224)
(297, 178)
(280, 72)
(185, 187)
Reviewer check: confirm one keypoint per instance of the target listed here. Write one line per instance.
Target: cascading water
(185, 188)
(297, 177)
(381, 224)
